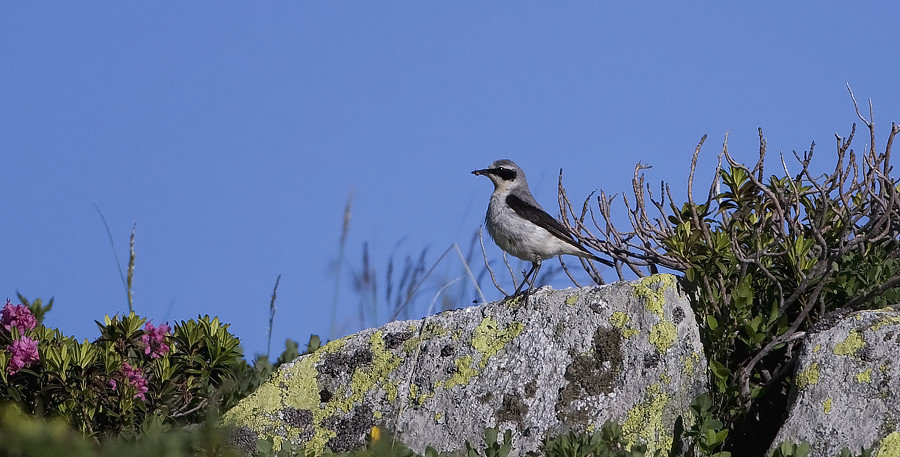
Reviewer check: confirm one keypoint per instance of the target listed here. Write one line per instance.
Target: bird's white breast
(519, 236)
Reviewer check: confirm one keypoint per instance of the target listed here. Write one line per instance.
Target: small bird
(519, 225)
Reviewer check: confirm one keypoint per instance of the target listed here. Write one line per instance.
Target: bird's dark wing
(542, 219)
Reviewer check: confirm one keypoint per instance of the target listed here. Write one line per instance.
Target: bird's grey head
(505, 174)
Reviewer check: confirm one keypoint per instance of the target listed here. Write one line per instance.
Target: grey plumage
(518, 224)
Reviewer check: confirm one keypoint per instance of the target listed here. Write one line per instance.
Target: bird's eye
(506, 174)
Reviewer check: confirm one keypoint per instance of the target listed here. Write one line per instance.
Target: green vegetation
(766, 257)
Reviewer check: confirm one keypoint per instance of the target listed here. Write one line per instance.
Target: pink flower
(24, 353)
(135, 378)
(154, 340)
(18, 316)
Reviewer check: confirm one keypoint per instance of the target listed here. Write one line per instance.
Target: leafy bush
(765, 258)
(134, 374)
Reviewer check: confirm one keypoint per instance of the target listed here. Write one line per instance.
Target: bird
(519, 226)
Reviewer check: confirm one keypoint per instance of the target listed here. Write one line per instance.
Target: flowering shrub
(134, 378)
(18, 316)
(16, 321)
(23, 352)
(134, 372)
(154, 340)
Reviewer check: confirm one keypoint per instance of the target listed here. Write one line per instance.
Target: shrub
(765, 259)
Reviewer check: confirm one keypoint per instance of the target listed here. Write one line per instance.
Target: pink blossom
(135, 378)
(23, 353)
(154, 340)
(18, 316)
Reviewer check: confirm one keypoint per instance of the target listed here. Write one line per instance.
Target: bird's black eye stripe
(505, 173)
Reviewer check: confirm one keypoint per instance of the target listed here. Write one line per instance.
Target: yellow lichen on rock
(662, 335)
(808, 377)
(488, 338)
(865, 376)
(889, 446)
(620, 320)
(644, 422)
(654, 296)
(850, 345)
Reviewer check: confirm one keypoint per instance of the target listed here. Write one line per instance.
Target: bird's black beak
(486, 171)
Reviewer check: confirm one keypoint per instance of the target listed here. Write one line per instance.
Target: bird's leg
(535, 266)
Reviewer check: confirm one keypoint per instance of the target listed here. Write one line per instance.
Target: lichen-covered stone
(847, 388)
(540, 365)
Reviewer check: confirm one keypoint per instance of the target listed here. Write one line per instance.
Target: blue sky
(233, 134)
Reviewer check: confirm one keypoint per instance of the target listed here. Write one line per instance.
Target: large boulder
(847, 388)
(539, 365)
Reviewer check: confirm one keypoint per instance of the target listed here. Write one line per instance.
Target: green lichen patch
(808, 377)
(430, 331)
(662, 335)
(651, 289)
(891, 319)
(464, 372)
(865, 376)
(889, 446)
(827, 406)
(571, 299)
(620, 321)
(850, 345)
(689, 362)
(383, 364)
(293, 388)
(488, 338)
(644, 422)
(417, 398)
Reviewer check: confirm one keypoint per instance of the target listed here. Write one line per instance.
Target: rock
(540, 366)
(847, 388)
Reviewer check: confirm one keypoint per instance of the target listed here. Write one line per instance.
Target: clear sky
(232, 134)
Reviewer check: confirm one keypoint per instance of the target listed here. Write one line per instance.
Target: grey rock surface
(847, 388)
(540, 366)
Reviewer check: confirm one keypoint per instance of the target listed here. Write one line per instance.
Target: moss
(850, 345)
(530, 389)
(591, 374)
(865, 376)
(654, 296)
(350, 430)
(512, 409)
(644, 422)
(827, 406)
(889, 446)
(662, 335)
(808, 377)
(488, 338)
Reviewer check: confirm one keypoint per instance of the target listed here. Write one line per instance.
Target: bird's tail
(588, 255)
